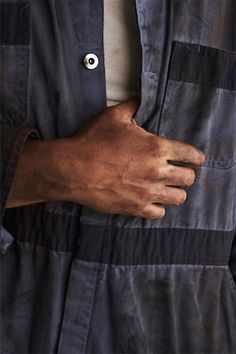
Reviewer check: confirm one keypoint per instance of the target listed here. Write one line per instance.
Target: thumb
(128, 108)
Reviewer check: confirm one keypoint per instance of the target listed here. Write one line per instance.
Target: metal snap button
(91, 61)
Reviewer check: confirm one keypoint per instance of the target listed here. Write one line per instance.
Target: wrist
(40, 175)
(53, 169)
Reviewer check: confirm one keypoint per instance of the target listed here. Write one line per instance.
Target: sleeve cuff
(6, 240)
(13, 141)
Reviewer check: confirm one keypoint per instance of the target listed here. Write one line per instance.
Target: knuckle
(163, 147)
(153, 193)
(152, 145)
(161, 193)
(159, 172)
(152, 172)
(149, 194)
(155, 146)
(155, 172)
(143, 194)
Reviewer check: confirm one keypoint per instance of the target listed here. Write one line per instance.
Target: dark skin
(110, 165)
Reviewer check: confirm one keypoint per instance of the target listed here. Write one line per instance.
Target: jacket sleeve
(12, 143)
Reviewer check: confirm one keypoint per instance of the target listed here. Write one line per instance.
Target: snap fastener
(91, 61)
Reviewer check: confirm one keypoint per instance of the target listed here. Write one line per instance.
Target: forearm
(39, 174)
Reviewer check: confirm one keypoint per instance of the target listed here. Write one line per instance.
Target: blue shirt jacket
(77, 281)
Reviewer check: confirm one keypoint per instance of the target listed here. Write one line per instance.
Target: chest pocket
(199, 107)
(14, 61)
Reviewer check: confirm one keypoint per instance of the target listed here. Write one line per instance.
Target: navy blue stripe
(203, 65)
(117, 245)
(125, 246)
(35, 225)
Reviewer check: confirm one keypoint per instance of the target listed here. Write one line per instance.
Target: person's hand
(110, 165)
(115, 166)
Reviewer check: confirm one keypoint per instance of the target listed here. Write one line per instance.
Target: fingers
(186, 166)
(179, 176)
(153, 211)
(185, 153)
(169, 195)
(156, 210)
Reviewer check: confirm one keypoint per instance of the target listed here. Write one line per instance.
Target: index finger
(195, 168)
(186, 153)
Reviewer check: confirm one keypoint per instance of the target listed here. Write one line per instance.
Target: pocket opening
(194, 110)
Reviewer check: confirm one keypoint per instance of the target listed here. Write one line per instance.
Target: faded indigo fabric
(76, 281)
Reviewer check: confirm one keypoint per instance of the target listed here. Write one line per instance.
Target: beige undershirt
(122, 50)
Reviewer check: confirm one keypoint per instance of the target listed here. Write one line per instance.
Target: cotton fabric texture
(77, 281)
